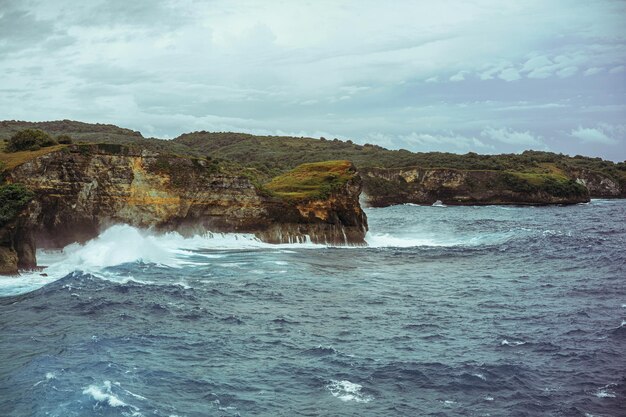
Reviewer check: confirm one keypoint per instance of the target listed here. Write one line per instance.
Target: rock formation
(384, 187)
(81, 189)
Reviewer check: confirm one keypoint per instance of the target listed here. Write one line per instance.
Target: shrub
(13, 198)
(64, 139)
(29, 140)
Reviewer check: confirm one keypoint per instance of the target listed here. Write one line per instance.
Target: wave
(387, 240)
(124, 244)
(348, 391)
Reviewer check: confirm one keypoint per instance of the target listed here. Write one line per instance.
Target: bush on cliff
(65, 139)
(13, 198)
(29, 140)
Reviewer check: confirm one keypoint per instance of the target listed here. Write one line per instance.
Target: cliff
(271, 156)
(80, 189)
(384, 187)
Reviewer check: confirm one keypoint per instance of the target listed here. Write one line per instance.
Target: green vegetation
(311, 181)
(262, 158)
(13, 198)
(65, 139)
(273, 155)
(556, 185)
(29, 140)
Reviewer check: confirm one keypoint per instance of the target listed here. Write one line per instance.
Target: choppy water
(467, 311)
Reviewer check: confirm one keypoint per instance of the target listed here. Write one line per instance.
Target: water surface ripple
(459, 311)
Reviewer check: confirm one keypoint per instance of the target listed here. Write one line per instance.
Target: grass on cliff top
(10, 160)
(311, 181)
(556, 184)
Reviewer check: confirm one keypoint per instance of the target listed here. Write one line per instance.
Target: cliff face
(83, 188)
(599, 185)
(384, 187)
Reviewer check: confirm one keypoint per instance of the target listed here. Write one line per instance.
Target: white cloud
(511, 137)
(567, 72)
(525, 106)
(537, 63)
(617, 70)
(424, 142)
(593, 71)
(592, 135)
(459, 76)
(510, 74)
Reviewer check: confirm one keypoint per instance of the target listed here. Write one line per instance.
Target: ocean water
(451, 311)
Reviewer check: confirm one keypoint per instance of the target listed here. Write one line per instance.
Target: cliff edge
(385, 187)
(78, 190)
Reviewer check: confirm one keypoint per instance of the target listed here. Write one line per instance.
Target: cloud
(511, 137)
(593, 71)
(459, 76)
(424, 142)
(525, 106)
(428, 74)
(592, 135)
(510, 74)
(567, 72)
(617, 70)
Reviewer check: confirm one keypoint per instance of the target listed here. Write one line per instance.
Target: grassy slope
(311, 181)
(9, 160)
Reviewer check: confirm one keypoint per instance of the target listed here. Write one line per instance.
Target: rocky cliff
(81, 189)
(384, 187)
(599, 185)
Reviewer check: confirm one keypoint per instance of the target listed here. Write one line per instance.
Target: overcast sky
(487, 76)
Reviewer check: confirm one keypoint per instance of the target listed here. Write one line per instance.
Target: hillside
(274, 154)
(266, 157)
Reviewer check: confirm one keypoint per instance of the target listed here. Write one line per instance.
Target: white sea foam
(513, 343)
(605, 394)
(386, 240)
(122, 244)
(348, 391)
(104, 395)
(606, 391)
(49, 376)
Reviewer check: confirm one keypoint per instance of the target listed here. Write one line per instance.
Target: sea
(449, 311)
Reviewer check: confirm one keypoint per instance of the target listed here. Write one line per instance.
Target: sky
(486, 76)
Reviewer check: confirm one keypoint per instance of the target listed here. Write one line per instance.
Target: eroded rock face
(385, 187)
(599, 185)
(84, 188)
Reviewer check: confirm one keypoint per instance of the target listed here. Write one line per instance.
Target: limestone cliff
(599, 185)
(384, 187)
(81, 189)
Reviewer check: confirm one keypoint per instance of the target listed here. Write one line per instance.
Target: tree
(29, 140)
(64, 139)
